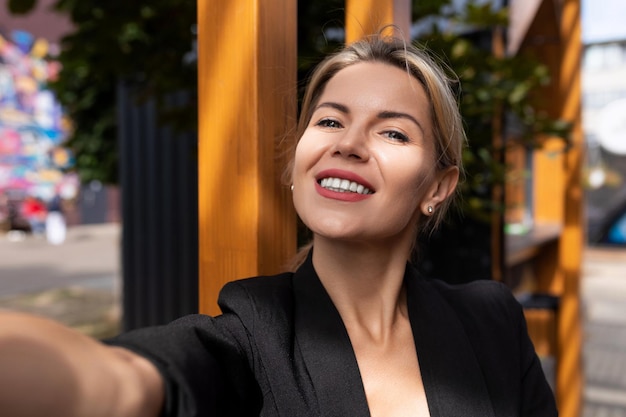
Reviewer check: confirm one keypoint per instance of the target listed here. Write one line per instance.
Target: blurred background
(99, 163)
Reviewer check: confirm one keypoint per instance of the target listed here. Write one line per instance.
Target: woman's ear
(443, 186)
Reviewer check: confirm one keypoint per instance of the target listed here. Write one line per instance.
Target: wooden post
(364, 17)
(569, 374)
(559, 198)
(247, 104)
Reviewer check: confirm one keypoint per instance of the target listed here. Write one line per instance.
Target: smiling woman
(355, 331)
(440, 124)
(372, 127)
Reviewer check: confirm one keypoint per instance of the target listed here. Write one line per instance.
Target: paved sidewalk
(604, 349)
(76, 283)
(89, 257)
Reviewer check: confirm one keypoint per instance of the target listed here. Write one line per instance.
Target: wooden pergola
(247, 103)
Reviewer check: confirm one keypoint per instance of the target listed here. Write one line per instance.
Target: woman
(354, 331)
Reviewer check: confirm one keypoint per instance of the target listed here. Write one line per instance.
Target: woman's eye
(330, 123)
(395, 135)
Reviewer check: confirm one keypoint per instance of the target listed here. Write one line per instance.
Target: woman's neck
(365, 282)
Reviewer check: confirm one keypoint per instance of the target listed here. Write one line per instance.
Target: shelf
(523, 247)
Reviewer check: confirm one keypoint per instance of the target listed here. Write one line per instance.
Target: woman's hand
(47, 369)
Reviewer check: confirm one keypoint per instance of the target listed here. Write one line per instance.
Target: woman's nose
(352, 145)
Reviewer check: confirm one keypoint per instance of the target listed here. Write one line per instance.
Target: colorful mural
(32, 125)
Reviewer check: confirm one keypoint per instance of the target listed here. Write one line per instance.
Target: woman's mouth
(341, 185)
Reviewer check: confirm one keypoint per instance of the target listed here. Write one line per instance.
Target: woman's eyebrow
(333, 105)
(399, 115)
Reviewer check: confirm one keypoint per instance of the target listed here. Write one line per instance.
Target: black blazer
(280, 349)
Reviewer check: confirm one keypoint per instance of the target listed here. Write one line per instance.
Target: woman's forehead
(377, 86)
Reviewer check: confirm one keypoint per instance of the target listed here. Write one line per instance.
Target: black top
(280, 348)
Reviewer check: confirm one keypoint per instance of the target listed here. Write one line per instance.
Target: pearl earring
(430, 209)
(291, 187)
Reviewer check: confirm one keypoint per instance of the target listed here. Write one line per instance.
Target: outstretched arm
(48, 369)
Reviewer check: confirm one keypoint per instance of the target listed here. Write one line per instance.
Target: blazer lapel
(450, 371)
(326, 349)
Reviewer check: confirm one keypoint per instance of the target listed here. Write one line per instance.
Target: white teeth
(343, 185)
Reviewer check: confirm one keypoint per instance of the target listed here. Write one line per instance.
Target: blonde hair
(448, 132)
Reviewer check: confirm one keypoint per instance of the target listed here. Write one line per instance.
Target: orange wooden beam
(247, 102)
(569, 373)
(364, 17)
(559, 194)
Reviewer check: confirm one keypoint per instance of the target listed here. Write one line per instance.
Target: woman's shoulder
(479, 289)
(258, 288)
(478, 298)
(255, 297)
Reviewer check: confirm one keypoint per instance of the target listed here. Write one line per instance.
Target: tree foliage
(493, 90)
(147, 43)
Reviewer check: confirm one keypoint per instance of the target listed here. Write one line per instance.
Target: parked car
(613, 230)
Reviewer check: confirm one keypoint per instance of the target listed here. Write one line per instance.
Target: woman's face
(364, 167)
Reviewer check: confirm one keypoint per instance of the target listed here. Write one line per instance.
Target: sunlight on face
(365, 162)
